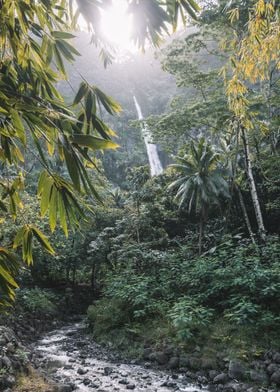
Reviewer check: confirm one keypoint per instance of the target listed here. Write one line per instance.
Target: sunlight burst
(116, 25)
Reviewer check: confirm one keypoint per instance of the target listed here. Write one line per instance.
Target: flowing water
(152, 151)
(72, 358)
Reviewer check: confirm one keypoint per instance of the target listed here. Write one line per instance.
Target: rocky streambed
(77, 363)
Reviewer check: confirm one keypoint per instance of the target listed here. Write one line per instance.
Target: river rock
(276, 357)
(130, 386)
(86, 381)
(232, 387)
(258, 376)
(272, 368)
(63, 388)
(275, 378)
(173, 363)
(236, 370)
(7, 381)
(10, 347)
(108, 370)
(208, 363)
(195, 363)
(82, 371)
(221, 378)
(212, 374)
(123, 381)
(146, 353)
(160, 357)
(169, 350)
(6, 362)
(184, 362)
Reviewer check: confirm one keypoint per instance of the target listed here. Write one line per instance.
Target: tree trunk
(93, 278)
(74, 275)
(201, 230)
(245, 215)
(252, 186)
(200, 236)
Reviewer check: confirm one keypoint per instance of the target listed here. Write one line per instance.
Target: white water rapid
(154, 161)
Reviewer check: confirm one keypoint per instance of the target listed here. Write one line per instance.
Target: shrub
(188, 317)
(37, 301)
(105, 315)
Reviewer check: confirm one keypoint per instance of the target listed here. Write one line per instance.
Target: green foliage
(37, 301)
(188, 317)
(35, 43)
(200, 179)
(234, 283)
(104, 315)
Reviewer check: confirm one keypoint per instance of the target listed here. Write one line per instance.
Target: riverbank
(75, 362)
(68, 359)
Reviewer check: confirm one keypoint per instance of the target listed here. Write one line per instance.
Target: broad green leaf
(53, 208)
(92, 142)
(42, 239)
(73, 168)
(83, 90)
(62, 35)
(8, 277)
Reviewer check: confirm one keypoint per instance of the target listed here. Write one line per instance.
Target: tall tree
(200, 181)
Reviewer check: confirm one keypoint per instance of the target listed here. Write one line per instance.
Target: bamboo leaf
(83, 90)
(42, 240)
(92, 142)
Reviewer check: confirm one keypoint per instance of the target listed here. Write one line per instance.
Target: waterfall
(152, 151)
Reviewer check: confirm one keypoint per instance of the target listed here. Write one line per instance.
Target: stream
(71, 358)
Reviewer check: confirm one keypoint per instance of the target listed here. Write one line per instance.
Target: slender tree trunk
(68, 273)
(201, 230)
(201, 223)
(137, 223)
(245, 214)
(93, 278)
(253, 188)
(74, 275)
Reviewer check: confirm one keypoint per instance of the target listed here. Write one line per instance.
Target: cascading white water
(154, 161)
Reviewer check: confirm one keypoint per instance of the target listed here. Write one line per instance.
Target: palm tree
(200, 181)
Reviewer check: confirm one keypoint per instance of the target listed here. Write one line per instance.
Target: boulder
(195, 363)
(221, 378)
(169, 350)
(7, 381)
(63, 388)
(173, 363)
(208, 363)
(275, 377)
(184, 362)
(272, 368)
(160, 357)
(236, 370)
(146, 353)
(10, 347)
(276, 357)
(212, 374)
(258, 376)
(6, 362)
